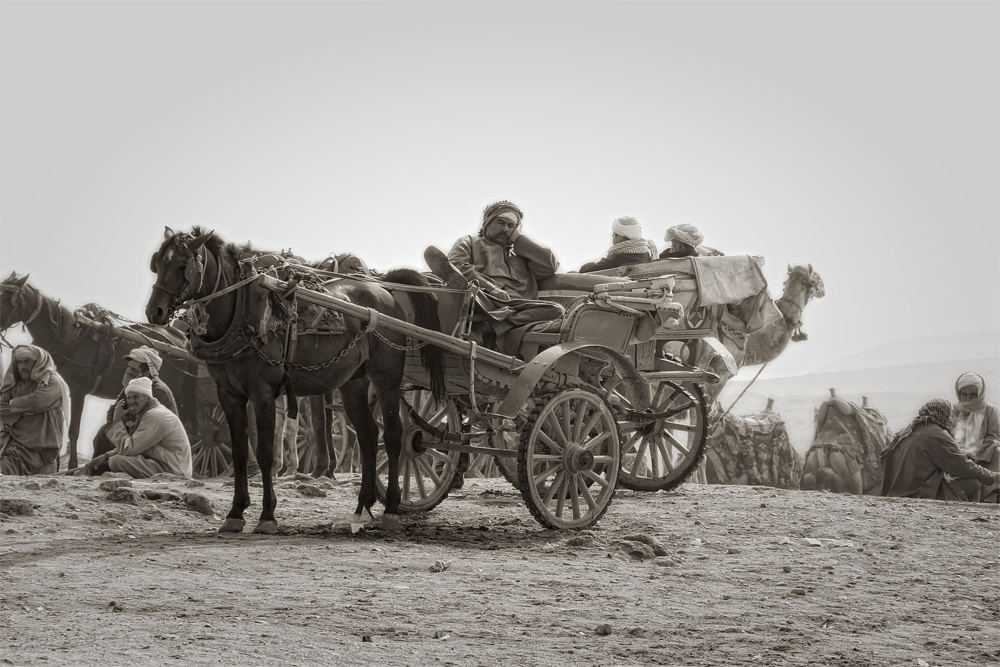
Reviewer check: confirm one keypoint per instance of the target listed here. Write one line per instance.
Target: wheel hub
(413, 442)
(576, 459)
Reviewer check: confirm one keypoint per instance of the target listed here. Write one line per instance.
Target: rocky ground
(706, 575)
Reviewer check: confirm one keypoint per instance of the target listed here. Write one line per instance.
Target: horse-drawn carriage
(585, 402)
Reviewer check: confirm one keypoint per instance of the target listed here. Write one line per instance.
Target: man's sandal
(439, 265)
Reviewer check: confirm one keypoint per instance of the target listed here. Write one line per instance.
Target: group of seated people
(948, 452)
(143, 435)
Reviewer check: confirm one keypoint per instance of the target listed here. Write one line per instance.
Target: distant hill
(928, 349)
(900, 378)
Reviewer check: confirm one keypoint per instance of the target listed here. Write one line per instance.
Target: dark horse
(89, 358)
(244, 334)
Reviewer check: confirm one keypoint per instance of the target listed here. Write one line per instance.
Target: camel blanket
(754, 450)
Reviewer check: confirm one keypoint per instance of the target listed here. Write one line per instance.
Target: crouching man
(148, 438)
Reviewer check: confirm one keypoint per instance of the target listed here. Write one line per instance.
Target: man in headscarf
(142, 362)
(977, 423)
(685, 241)
(34, 412)
(150, 439)
(627, 246)
(507, 266)
(924, 461)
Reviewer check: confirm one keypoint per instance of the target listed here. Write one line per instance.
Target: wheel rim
(569, 458)
(661, 453)
(425, 473)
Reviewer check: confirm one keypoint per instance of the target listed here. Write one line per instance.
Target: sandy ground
(705, 575)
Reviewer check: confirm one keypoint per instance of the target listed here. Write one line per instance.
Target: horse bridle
(18, 292)
(194, 278)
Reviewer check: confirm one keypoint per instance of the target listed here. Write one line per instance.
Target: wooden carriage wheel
(211, 454)
(569, 458)
(661, 453)
(426, 474)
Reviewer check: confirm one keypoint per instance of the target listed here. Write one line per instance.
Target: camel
(845, 456)
(751, 349)
(750, 449)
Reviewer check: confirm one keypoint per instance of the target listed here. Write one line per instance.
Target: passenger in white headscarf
(976, 422)
(627, 246)
(34, 411)
(686, 241)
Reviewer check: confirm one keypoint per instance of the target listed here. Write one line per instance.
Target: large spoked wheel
(569, 459)
(211, 454)
(661, 453)
(425, 473)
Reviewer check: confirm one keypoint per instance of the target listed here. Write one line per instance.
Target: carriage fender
(634, 386)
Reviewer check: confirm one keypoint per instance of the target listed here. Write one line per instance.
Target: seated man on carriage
(627, 246)
(34, 410)
(507, 266)
(148, 439)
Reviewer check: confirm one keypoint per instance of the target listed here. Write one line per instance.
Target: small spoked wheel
(568, 459)
(660, 453)
(211, 455)
(425, 473)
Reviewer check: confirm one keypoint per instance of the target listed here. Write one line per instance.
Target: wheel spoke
(574, 496)
(640, 457)
(596, 440)
(585, 492)
(557, 483)
(675, 426)
(598, 479)
(557, 429)
(540, 478)
(630, 444)
(543, 436)
(594, 418)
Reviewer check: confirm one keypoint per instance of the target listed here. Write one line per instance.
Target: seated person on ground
(143, 362)
(923, 461)
(150, 439)
(977, 423)
(685, 241)
(34, 411)
(627, 246)
(507, 266)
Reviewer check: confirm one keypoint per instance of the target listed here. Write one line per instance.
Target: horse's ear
(167, 232)
(20, 283)
(200, 241)
(810, 269)
(12, 276)
(789, 268)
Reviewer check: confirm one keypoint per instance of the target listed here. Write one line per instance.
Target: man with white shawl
(34, 412)
(627, 246)
(976, 422)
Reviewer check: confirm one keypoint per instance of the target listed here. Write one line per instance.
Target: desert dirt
(704, 575)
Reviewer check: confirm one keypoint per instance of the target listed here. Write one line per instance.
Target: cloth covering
(628, 227)
(157, 435)
(141, 385)
(34, 413)
(685, 233)
(727, 279)
(633, 251)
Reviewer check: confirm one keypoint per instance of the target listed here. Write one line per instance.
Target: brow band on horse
(38, 302)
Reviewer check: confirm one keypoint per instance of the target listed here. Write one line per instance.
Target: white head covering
(140, 386)
(628, 227)
(148, 356)
(685, 233)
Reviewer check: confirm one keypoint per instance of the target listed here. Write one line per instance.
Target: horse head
(13, 308)
(179, 265)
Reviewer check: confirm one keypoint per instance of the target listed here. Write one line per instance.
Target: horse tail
(426, 316)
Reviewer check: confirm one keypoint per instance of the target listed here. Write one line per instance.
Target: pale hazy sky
(861, 137)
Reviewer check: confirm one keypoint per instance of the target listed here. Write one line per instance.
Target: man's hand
(514, 234)
(498, 294)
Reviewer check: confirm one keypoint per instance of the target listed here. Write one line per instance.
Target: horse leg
(290, 442)
(321, 433)
(75, 416)
(354, 395)
(235, 407)
(280, 424)
(263, 402)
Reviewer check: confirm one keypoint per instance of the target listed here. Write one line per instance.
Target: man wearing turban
(149, 439)
(977, 423)
(34, 412)
(627, 246)
(141, 362)
(507, 266)
(924, 461)
(685, 241)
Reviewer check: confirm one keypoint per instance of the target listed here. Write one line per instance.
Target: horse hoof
(266, 527)
(232, 526)
(390, 523)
